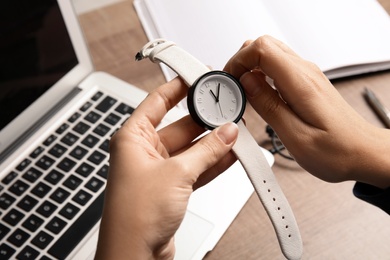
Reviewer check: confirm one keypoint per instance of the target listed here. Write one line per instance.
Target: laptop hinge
(37, 125)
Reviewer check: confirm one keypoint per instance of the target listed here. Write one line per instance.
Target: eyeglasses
(278, 147)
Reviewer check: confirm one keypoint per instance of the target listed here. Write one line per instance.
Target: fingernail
(228, 133)
(250, 84)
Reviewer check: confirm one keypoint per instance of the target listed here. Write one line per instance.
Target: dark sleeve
(373, 195)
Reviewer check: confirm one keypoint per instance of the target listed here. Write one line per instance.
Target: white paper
(331, 33)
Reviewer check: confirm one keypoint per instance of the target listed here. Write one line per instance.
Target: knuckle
(247, 43)
(264, 41)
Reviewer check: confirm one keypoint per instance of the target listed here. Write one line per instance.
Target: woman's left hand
(152, 175)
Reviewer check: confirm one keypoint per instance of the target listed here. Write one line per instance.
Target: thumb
(209, 150)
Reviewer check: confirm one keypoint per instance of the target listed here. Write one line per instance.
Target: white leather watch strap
(180, 61)
(245, 148)
(269, 193)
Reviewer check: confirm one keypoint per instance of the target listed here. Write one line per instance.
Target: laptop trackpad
(191, 235)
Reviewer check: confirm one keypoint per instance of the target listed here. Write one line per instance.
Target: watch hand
(218, 89)
(219, 104)
(215, 97)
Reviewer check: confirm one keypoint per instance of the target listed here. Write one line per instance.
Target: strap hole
(273, 199)
(289, 235)
(286, 226)
(264, 181)
(269, 190)
(282, 217)
(278, 208)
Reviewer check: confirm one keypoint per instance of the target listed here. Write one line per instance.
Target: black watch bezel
(190, 101)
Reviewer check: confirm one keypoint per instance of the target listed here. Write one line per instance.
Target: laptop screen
(35, 51)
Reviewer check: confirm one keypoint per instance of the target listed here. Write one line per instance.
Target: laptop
(57, 117)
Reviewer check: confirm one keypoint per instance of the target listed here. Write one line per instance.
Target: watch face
(215, 99)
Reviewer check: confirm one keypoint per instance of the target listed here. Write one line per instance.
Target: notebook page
(334, 33)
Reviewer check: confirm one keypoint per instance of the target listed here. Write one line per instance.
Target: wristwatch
(215, 98)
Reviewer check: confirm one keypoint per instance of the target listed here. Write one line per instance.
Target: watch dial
(215, 99)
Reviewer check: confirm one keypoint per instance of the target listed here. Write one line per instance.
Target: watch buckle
(149, 47)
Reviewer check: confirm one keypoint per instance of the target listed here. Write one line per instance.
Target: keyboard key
(55, 225)
(18, 237)
(45, 162)
(106, 104)
(57, 150)
(59, 195)
(54, 177)
(9, 178)
(92, 117)
(90, 141)
(66, 164)
(97, 96)
(23, 165)
(105, 146)
(124, 109)
(27, 203)
(74, 117)
(78, 152)
(101, 130)
(6, 251)
(69, 211)
(19, 187)
(46, 209)
(76, 232)
(72, 182)
(32, 175)
(42, 239)
(28, 253)
(50, 140)
(69, 139)
(41, 189)
(37, 152)
(82, 197)
(85, 169)
(81, 128)
(112, 119)
(6, 200)
(3, 232)
(103, 172)
(13, 217)
(96, 157)
(32, 223)
(86, 106)
(62, 128)
(94, 184)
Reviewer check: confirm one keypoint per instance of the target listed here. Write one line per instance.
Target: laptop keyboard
(54, 197)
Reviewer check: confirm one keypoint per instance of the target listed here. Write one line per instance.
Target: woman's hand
(152, 175)
(317, 126)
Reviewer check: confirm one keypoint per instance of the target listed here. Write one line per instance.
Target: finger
(265, 53)
(267, 101)
(208, 151)
(215, 170)
(155, 106)
(179, 134)
(298, 81)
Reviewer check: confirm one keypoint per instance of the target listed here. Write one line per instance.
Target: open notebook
(57, 116)
(343, 37)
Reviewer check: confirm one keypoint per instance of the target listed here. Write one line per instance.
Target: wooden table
(333, 223)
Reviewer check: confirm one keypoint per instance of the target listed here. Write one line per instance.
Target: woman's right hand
(318, 127)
